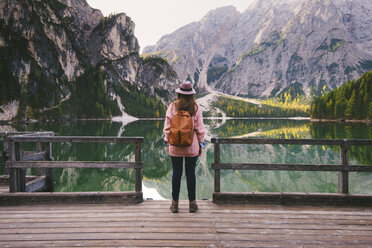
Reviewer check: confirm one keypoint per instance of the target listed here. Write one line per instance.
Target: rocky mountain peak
(55, 49)
(188, 48)
(114, 38)
(87, 17)
(219, 15)
(274, 45)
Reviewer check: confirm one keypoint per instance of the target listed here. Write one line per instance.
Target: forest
(140, 104)
(352, 100)
(90, 99)
(238, 108)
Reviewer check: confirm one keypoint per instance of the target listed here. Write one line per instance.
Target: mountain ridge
(274, 45)
(51, 50)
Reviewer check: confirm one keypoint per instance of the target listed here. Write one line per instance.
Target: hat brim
(192, 92)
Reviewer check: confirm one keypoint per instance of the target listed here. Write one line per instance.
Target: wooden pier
(150, 224)
(29, 218)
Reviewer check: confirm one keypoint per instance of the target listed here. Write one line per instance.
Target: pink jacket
(194, 149)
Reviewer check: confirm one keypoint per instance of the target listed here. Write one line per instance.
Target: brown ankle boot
(193, 207)
(174, 207)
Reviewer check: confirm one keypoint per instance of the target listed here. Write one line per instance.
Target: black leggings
(177, 164)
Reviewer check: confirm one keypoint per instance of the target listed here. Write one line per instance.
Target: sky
(155, 18)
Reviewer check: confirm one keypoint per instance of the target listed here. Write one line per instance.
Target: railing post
(13, 173)
(17, 177)
(49, 172)
(217, 185)
(343, 176)
(21, 172)
(5, 153)
(138, 170)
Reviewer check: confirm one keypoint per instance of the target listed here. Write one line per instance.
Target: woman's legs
(177, 164)
(190, 163)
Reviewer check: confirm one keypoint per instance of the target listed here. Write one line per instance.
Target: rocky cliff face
(46, 46)
(274, 45)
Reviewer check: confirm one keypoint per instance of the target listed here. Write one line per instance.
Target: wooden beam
(74, 164)
(248, 198)
(5, 156)
(49, 172)
(343, 176)
(39, 148)
(358, 142)
(315, 199)
(364, 142)
(217, 176)
(39, 134)
(11, 199)
(12, 172)
(138, 186)
(5, 179)
(37, 184)
(33, 156)
(291, 167)
(77, 139)
(4, 134)
(21, 172)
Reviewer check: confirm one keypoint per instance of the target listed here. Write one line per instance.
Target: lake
(158, 170)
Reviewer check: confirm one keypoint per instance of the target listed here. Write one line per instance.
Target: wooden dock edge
(40, 198)
(308, 199)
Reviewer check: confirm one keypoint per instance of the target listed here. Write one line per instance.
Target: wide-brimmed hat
(186, 88)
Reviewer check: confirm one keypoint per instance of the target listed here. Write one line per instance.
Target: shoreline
(366, 121)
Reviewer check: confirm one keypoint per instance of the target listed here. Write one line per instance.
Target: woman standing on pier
(189, 152)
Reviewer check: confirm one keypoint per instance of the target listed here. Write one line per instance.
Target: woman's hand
(201, 146)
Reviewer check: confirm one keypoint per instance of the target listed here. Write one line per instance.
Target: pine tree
(320, 109)
(365, 105)
(313, 109)
(330, 109)
(340, 107)
(350, 106)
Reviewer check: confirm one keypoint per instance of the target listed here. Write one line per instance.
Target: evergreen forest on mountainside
(352, 100)
(89, 100)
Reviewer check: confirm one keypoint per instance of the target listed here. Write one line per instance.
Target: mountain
(64, 59)
(310, 46)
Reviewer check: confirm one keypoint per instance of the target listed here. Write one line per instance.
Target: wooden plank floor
(150, 224)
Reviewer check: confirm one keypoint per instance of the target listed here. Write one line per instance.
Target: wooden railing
(19, 160)
(343, 168)
(4, 150)
(33, 183)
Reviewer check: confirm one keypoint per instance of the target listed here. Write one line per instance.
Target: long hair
(186, 102)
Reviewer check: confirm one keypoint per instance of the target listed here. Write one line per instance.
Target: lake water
(158, 170)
